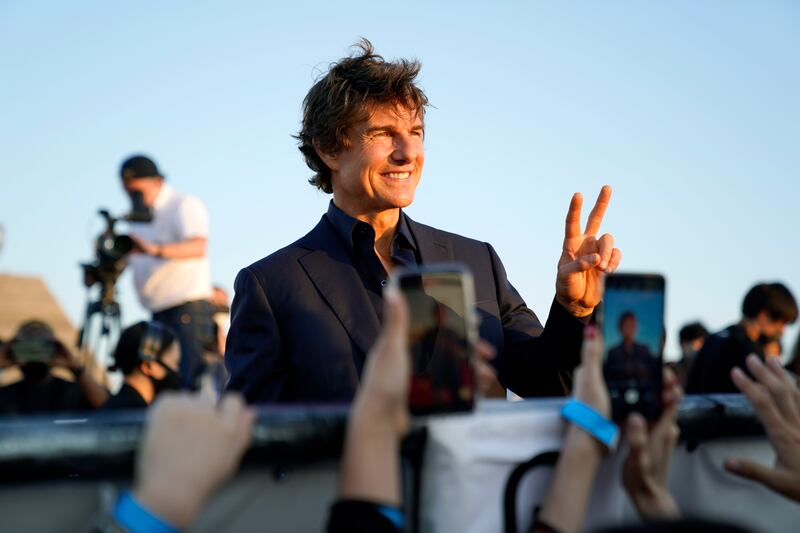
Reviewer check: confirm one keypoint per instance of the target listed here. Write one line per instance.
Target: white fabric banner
(468, 460)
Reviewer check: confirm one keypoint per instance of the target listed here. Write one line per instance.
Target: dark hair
(774, 298)
(625, 316)
(344, 97)
(692, 331)
(126, 354)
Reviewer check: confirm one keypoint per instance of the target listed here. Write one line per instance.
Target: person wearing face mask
(766, 310)
(36, 351)
(171, 271)
(149, 357)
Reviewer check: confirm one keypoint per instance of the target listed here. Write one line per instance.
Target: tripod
(106, 310)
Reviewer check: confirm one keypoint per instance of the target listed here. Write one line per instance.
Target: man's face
(149, 188)
(771, 330)
(629, 328)
(381, 168)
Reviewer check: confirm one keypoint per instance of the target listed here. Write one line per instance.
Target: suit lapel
(433, 245)
(331, 270)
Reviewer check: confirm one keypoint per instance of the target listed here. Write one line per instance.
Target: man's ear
(331, 160)
(145, 368)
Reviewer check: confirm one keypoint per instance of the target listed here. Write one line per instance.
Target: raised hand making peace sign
(585, 257)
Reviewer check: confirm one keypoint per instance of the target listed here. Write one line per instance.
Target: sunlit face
(149, 187)
(381, 168)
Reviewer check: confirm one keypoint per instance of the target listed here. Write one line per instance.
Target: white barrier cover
(468, 460)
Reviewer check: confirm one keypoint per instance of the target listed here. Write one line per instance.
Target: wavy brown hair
(344, 97)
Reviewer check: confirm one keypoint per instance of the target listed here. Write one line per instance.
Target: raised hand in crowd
(564, 505)
(644, 473)
(191, 446)
(379, 418)
(776, 401)
(646, 466)
(585, 257)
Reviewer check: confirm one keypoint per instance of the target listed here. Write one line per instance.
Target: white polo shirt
(164, 283)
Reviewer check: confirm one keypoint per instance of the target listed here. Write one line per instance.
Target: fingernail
(590, 332)
(604, 264)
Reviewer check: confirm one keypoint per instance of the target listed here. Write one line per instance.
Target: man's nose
(407, 148)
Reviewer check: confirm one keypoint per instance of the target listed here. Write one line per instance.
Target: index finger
(573, 224)
(598, 211)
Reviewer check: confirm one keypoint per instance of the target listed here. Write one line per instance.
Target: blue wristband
(394, 515)
(592, 422)
(134, 517)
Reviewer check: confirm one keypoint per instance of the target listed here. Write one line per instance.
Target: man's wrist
(574, 309)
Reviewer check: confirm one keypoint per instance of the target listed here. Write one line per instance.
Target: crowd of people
(169, 491)
(315, 322)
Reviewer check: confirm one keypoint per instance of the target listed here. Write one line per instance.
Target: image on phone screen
(440, 340)
(633, 330)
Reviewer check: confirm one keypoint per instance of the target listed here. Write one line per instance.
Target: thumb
(581, 264)
(395, 312)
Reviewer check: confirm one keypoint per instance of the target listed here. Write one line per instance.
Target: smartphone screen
(441, 338)
(634, 335)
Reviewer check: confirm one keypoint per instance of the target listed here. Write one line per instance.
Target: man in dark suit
(304, 318)
(630, 358)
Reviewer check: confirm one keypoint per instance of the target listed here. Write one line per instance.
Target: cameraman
(170, 264)
(36, 350)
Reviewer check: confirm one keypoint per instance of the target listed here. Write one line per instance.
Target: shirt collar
(345, 226)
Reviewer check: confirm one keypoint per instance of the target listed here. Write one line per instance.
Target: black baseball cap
(139, 166)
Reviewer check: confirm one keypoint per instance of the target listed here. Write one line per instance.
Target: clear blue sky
(690, 110)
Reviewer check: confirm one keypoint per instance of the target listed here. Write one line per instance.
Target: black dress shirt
(359, 239)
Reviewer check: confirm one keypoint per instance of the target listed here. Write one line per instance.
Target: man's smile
(400, 176)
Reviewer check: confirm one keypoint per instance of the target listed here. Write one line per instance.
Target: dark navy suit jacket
(302, 322)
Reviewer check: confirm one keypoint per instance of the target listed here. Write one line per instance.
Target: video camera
(111, 248)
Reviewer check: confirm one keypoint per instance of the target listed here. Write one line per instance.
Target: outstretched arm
(564, 505)
(379, 418)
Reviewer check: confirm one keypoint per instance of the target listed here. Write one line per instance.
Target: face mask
(171, 381)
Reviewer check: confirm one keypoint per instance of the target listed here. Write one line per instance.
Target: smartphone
(32, 351)
(442, 336)
(632, 322)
